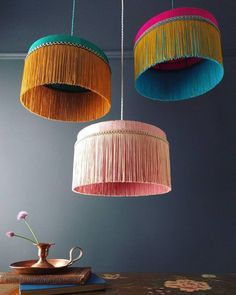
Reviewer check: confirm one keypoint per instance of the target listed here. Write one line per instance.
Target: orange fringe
(70, 65)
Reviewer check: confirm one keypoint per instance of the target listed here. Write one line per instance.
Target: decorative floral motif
(208, 276)
(108, 276)
(187, 285)
(159, 291)
(111, 276)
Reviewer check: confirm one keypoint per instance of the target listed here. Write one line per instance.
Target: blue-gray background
(191, 229)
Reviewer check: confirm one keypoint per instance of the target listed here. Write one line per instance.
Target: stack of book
(75, 280)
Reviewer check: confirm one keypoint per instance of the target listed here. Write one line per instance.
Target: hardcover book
(94, 283)
(74, 275)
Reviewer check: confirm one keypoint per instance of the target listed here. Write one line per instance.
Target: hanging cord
(122, 63)
(172, 4)
(73, 18)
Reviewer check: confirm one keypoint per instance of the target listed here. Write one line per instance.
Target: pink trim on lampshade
(121, 158)
(177, 12)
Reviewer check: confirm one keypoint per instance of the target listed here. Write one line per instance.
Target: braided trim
(189, 17)
(68, 43)
(122, 132)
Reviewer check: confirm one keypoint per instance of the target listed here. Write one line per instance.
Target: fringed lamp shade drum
(121, 158)
(177, 55)
(66, 78)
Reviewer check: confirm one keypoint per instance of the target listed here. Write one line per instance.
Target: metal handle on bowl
(71, 254)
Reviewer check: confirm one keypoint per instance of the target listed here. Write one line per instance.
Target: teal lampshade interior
(180, 84)
(67, 88)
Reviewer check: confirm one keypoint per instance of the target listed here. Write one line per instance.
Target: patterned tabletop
(159, 284)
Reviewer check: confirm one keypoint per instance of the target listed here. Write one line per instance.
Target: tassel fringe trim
(66, 65)
(121, 164)
(175, 40)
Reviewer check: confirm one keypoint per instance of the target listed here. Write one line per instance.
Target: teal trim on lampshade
(68, 40)
(201, 78)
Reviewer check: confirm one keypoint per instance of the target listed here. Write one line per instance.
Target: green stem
(19, 236)
(36, 240)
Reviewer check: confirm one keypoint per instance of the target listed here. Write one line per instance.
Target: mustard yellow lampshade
(66, 78)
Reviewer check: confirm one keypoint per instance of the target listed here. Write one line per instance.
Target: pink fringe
(121, 158)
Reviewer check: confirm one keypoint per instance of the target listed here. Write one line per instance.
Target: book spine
(43, 280)
(85, 276)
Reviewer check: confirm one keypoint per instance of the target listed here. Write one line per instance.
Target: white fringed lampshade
(121, 158)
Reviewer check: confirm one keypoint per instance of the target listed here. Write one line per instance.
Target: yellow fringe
(173, 40)
(66, 64)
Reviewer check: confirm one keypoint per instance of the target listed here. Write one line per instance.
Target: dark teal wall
(191, 229)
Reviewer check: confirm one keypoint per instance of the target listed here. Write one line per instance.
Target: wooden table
(158, 284)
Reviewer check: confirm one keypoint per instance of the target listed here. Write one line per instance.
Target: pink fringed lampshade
(121, 158)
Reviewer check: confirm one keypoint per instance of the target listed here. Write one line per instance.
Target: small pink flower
(22, 215)
(10, 234)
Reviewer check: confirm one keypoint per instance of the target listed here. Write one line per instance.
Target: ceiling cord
(122, 62)
(73, 18)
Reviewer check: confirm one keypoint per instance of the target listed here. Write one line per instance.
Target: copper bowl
(54, 265)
